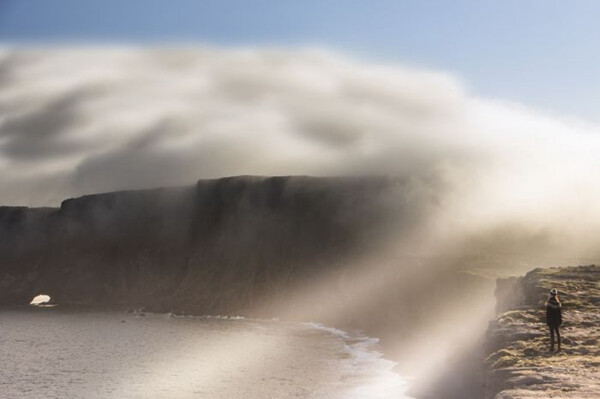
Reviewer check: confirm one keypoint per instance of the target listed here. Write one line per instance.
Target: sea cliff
(519, 364)
(293, 247)
(218, 247)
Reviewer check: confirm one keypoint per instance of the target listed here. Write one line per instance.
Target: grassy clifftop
(519, 364)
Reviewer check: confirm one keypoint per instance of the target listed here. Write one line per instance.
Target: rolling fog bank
(482, 188)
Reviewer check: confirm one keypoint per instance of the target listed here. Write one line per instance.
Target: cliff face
(519, 364)
(222, 246)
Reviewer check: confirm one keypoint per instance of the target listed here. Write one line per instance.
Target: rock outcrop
(519, 364)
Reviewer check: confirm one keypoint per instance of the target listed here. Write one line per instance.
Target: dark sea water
(64, 352)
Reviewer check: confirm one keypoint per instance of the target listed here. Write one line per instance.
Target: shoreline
(373, 374)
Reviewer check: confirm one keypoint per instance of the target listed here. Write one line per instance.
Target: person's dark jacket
(553, 313)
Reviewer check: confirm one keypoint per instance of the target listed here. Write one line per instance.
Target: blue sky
(541, 53)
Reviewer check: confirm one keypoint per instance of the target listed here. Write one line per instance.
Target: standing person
(554, 317)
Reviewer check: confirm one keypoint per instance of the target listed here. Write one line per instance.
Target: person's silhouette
(554, 317)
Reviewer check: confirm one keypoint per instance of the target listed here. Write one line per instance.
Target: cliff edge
(519, 364)
(219, 247)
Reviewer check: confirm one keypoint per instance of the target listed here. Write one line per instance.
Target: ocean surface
(63, 352)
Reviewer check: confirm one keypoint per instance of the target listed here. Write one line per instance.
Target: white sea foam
(223, 317)
(372, 374)
(139, 312)
(375, 375)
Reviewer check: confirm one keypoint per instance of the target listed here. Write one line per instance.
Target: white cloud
(85, 120)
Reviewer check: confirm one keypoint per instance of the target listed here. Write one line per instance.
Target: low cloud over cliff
(86, 120)
(479, 187)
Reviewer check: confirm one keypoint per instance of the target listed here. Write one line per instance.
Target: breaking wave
(374, 374)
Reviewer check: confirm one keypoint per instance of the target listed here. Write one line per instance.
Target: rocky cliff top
(520, 364)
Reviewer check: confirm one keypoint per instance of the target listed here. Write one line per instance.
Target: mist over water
(489, 187)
